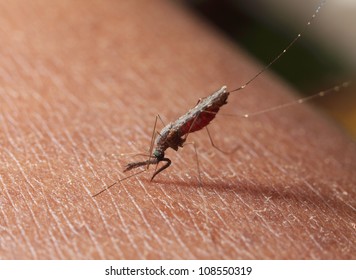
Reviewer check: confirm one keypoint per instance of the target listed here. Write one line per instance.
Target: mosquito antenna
(108, 187)
(284, 50)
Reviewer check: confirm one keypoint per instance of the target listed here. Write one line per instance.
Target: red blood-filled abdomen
(201, 121)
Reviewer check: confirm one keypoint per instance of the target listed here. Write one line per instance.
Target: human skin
(81, 84)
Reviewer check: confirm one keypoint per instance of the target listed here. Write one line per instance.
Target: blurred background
(325, 55)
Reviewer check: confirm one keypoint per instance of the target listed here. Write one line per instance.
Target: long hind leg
(219, 149)
(197, 161)
(154, 133)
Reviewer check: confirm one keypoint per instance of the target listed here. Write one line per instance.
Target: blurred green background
(322, 58)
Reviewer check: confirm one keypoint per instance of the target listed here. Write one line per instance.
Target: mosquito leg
(154, 132)
(219, 149)
(300, 100)
(198, 163)
(191, 126)
(161, 120)
(152, 139)
(118, 181)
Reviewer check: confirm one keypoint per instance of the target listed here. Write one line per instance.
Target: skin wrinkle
(246, 253)
(315, 242)
(155, 205)
(171, 212)
(32, 215)
(191, 215)
(68, 222)
(109, 232)
(231, 237)
(92, 170)
(205, 210)
(307, 206)
(26, 244)
(22, 171)
(176, 235)
(46, 159)
(292, 243)
(7, 135)
(52, 212)
(57, 245)
(166, 221)
(152, 199)
(125, 228)
(227, 208)
(91, 234)
(141, 214)
(52, 137)
(57, 226)
(331, 209)
(106, 224)
(290, 239)
(236, 218)
(265, 223)
(91, 152)
(74, 246)
(75, 154)
(195, 223)
(6, 227)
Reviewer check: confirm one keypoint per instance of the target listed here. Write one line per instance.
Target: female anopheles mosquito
(175, 134)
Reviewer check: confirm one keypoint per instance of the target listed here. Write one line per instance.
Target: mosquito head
(158, 154)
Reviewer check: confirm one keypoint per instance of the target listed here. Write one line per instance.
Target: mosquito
(174, 135)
